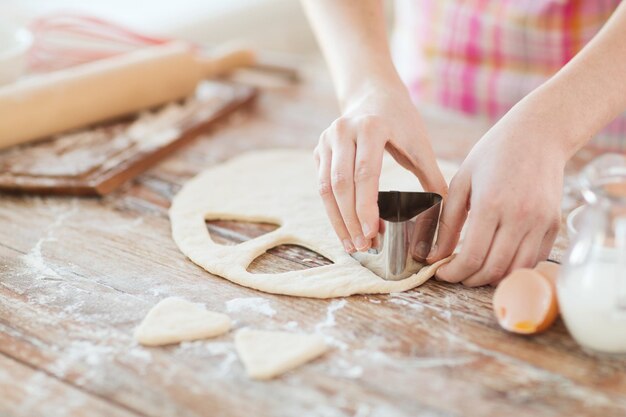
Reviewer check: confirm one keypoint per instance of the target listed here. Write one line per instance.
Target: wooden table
(77, 275)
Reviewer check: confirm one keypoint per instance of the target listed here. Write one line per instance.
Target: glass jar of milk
(592, 286)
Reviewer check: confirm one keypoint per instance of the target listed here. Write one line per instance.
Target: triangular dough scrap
(266, 354)
(175, 320)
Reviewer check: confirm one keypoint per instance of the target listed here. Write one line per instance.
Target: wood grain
(97, 160)
(77, 275)
(39, 388)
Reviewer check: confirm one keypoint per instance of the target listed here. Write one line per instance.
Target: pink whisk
(63, 40)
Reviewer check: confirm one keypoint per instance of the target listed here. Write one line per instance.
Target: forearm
(353, 38)
(589, 91)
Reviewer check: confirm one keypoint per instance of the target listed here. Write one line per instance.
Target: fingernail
(360, 242)
(367, 230)
(432, 252)
(349, 247)
(421, 250)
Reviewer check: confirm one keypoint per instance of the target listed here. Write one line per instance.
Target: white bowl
(14, 45)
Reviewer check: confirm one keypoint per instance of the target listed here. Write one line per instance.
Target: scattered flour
(413, 362)
(354, 372)
(433, 362)
(39, 390)
(34, 259)
(159, 291)
(93, 358)
(363, 410)
(120, 225)
(290, 325)
(344, 369)
(253, 304)
(204, 350)
(446, 314)
(402, 302)
(140, 353)
(329, 321)
(227, 350)
(330, 314)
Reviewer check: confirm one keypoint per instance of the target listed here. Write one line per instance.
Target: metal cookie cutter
(408, 222)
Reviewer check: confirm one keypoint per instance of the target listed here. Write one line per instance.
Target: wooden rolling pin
(76, 97)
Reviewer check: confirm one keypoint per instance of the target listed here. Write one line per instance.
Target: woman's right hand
(349, 158)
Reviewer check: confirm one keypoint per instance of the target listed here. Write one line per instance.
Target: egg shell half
(525, 302)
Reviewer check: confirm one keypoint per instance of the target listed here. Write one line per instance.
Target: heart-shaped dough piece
(175, 320)
(266, 354)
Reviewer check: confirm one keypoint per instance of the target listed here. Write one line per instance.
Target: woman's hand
(511, 185)
(377, 115)
(349, 159)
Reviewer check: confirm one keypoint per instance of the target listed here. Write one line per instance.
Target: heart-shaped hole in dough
(285, 258)
(232, 232)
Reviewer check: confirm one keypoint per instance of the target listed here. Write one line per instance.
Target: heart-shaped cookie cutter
(408, 223)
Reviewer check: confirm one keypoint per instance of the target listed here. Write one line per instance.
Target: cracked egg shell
(525, 302)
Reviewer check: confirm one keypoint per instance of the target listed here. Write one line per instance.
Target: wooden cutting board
(97, 160)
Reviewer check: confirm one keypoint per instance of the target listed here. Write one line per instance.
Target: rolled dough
(268, 354)
(175, 320)
(280, 186)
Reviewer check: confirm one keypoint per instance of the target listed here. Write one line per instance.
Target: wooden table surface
(77, 275)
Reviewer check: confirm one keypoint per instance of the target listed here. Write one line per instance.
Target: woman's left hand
(509, 189)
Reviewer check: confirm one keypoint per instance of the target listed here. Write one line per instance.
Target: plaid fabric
(481, 57)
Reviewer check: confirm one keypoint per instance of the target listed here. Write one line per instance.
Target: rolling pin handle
(226, 61)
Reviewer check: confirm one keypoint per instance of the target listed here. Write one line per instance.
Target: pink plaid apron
(480, 57)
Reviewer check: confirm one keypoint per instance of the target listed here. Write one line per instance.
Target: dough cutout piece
(175, 320)
(280, 187)
(267, 354)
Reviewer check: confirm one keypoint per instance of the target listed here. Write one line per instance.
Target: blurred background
(273, 25)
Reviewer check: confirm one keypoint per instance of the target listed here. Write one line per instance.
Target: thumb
(452, 219)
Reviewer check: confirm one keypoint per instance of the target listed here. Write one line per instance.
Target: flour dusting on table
(34, 259)
(329, 321)
(290, 325)
(330, 314)
(205, 350)
(252, 304)
(413, 306)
